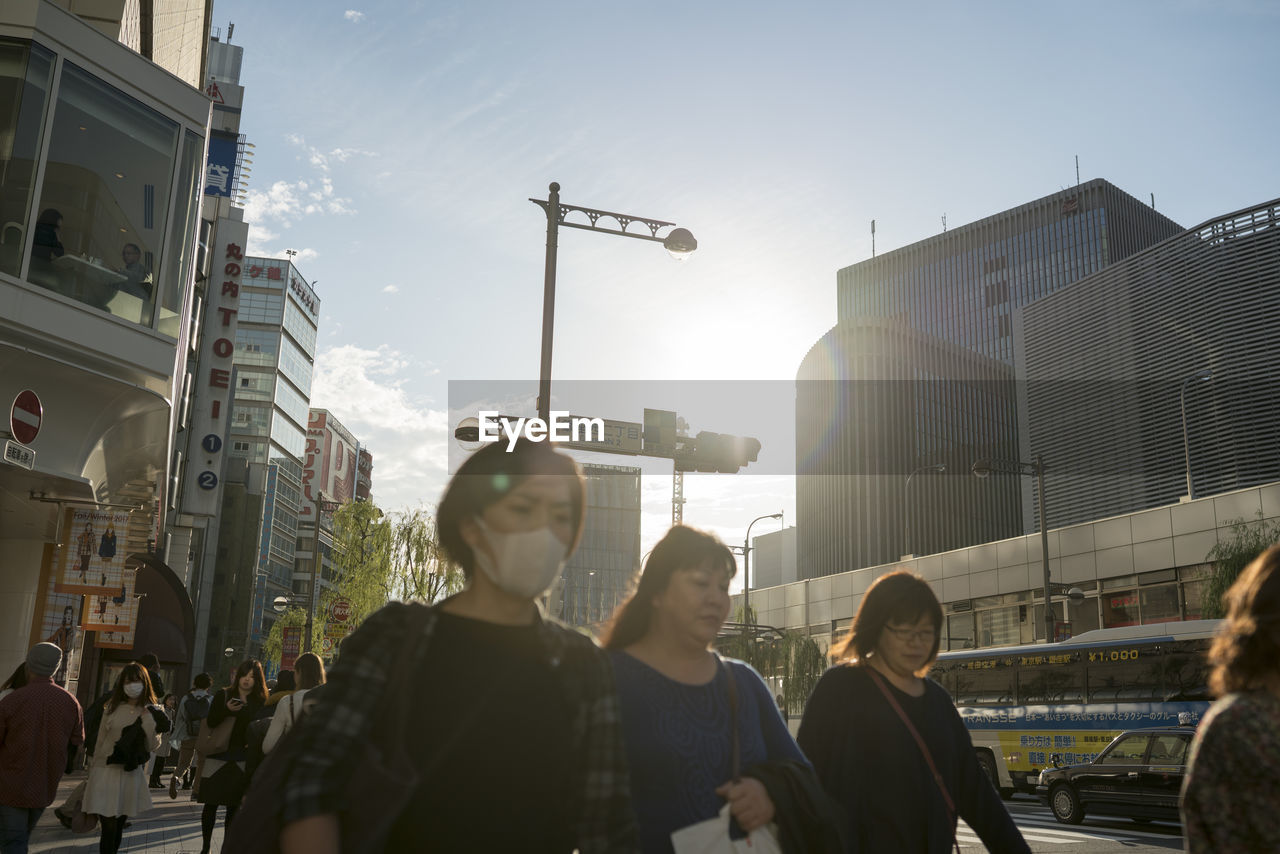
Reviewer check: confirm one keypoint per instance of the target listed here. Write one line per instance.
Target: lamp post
(1201, 376)
(679, 242)
(746, 576)
(937, 468)
(1035, 468)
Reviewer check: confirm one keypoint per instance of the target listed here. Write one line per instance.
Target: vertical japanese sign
(201, 493)
(92, 556)
(290, 646)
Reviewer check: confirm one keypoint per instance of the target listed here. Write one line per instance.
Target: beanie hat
(44, 658)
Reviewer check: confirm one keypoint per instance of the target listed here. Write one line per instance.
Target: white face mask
(133, 690)
(525, 564)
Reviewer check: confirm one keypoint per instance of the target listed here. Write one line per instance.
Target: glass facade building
(599, 574)
(921, 371)
(274, 355)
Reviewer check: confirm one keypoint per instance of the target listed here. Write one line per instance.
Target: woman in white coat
(117, 786)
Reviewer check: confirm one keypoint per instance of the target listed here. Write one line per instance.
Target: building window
(107, 182)
(25, 72)
(240, 446)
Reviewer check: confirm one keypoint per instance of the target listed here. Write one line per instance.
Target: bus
(1027, 707)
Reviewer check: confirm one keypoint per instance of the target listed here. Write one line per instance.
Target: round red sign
(341, 609)
(24, 418)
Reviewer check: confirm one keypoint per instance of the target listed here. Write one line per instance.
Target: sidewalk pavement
(171, 827)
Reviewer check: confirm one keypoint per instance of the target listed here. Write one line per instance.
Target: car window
(1129, 750)
(1168, 750)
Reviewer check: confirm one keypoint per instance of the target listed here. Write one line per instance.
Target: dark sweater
(869, 763)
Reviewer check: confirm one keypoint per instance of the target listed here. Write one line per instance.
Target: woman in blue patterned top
(675, 700)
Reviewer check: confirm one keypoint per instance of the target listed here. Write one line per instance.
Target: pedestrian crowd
(476, 725)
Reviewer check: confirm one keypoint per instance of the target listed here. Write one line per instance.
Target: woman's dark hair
(310, 670)
(285, 681)
(681, 548)
(17, 679)
(49, 216)
(132, 672)
(1247, 648)
(167, 698)
(487, 477)
(899, 597)
(251, 665)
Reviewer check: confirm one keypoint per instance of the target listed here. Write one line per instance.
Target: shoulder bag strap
(928, 757)
(733, 714)
(293, 712)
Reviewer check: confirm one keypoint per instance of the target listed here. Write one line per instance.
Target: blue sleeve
(777, 738)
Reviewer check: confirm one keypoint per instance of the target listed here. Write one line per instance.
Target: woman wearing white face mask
(117, 785)
(514, 733)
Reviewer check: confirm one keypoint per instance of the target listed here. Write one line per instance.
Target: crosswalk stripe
(1043, 834)
(1049, 822)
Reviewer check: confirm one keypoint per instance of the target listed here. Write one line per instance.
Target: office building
(270, 382)
(1112, 360)
(773, 558)
(919, 373)
(599, 575)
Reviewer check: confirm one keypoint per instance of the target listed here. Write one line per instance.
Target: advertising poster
(58, 622)
(92, 556)
(114, 615)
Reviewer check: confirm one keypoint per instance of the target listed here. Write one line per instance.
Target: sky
(398, 144)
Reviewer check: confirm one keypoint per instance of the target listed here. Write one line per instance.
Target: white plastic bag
(712, 837)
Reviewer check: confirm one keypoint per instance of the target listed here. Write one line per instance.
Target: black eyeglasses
(905, 635)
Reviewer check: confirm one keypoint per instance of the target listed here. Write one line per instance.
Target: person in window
(855, 731)
(530, 708)
(1232, 785)
(137, 277)
(46, 242)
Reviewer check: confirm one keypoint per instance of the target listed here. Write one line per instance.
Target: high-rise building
(599, 574)
(919, 375)
(1156, 379)
(330, 475)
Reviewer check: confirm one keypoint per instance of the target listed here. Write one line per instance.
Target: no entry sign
(24, 418)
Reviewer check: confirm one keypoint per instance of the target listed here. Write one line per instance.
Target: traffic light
(720, 452)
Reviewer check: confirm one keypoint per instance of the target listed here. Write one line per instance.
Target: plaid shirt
(335, 733)
(37, 722)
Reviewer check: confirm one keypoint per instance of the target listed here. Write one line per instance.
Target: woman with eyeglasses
(876, 728)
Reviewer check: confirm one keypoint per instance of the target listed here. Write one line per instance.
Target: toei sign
(213, 390)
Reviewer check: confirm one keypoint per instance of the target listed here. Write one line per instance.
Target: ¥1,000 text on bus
(1024, 704)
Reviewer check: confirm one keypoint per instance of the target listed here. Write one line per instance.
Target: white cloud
(353, 16)
(367, 391)
(391, 289)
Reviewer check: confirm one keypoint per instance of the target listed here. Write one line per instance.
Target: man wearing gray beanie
(37, 722)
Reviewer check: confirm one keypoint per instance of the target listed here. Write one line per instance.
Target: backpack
(197, 709)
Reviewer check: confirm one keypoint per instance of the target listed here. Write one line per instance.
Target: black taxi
(1137, 776)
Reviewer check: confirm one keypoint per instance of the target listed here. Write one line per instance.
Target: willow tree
(791, 659)
(382, 557)
(1230, 556)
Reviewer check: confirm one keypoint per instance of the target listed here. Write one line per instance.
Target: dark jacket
(869, 763)
(808, 821)
(93, 721)
(131, 749)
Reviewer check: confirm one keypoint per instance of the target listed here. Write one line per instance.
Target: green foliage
(380, 557)
(790, 661)
(1231, 556)
(274, 644)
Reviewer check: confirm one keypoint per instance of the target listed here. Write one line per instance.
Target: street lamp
(1200, 376)
(320, 504)
(936, 468)
(746, 575)
(1035, 468)
(678, 242)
